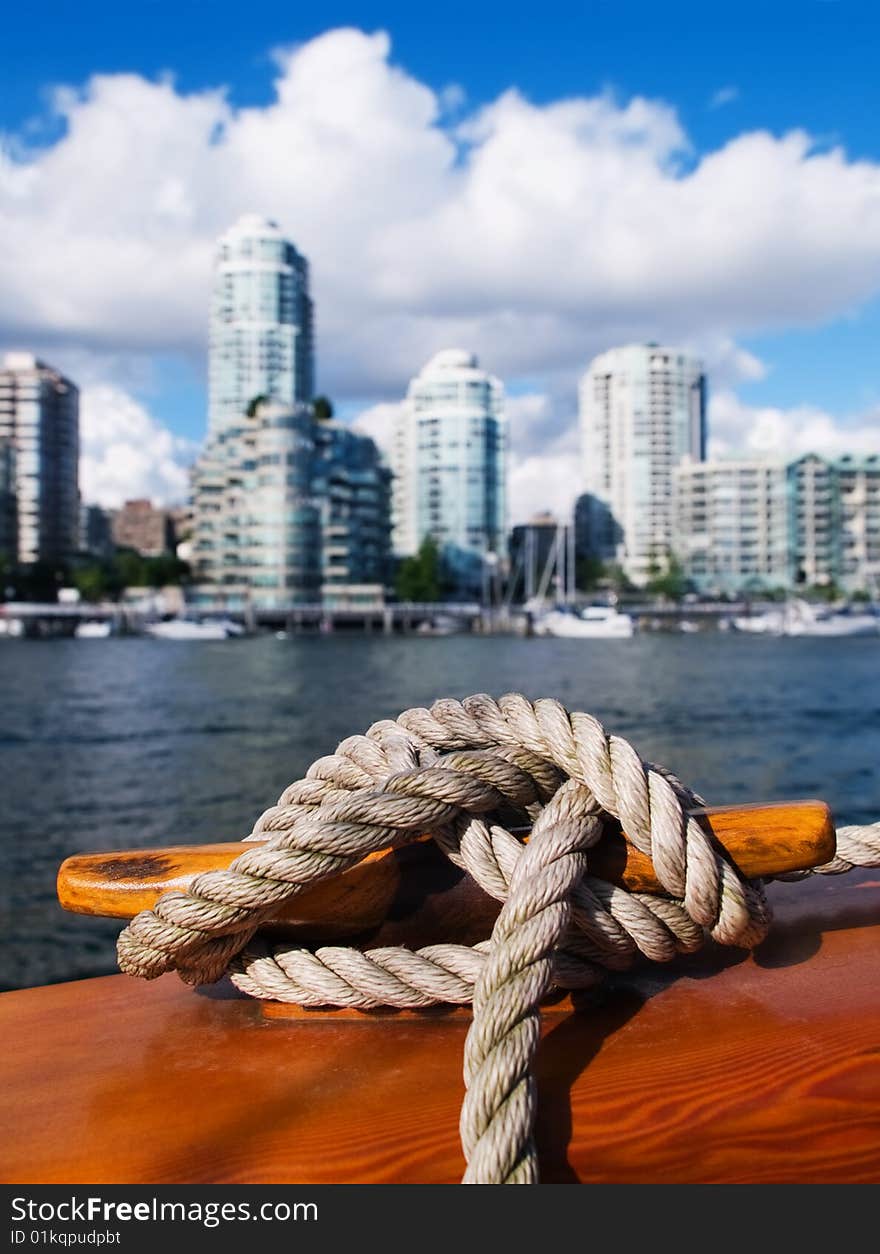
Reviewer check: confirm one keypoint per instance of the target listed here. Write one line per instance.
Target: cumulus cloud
(377, 421)
(125, 452)
(536, 234)
(770, 431)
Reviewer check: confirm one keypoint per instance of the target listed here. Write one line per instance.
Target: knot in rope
(475, 775)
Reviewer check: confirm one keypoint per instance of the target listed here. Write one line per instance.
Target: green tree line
(96, 579)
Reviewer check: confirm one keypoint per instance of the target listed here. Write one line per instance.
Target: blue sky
(724, 71)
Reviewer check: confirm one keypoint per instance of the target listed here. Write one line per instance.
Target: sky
(534, 184)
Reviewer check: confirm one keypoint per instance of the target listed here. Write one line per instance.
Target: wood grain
(721, 1067)
(414, 893)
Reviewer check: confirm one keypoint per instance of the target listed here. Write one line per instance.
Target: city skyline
(537, 227)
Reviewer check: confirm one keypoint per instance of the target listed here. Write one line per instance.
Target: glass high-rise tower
(260, 342)
(642, 411)
(449, 460)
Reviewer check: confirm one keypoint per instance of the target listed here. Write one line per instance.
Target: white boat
(801, 618)
(93, 630)
(596, 622)
(767, 623)
(440, 625)
(190, 629)
(813, 620)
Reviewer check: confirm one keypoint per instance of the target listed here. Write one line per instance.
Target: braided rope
(468, 772)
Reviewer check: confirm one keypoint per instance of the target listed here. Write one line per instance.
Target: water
(126, 743)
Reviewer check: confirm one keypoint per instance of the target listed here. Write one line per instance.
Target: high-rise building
(731, 524)
(284, 505)
(642, 410)
(8, 502)
(96, 531)
(449, 459)
(260, 341)
(39, 418)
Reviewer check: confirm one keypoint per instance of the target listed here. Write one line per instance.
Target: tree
(130, 567)
(588, 573)
(109, 577)
(164, 570)
(92, 581)
(254, 404)
(617, 579)
(672, 584)
(420, 578)
(823, 591)
(323, 408)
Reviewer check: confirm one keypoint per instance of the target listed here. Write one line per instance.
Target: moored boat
(191, 629)
(92, 629)
(595, 622)
(798, 617)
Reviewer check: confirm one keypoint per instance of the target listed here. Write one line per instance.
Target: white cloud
(535, 234)
(545, 467)
(723, 96)
(538, 234)
(768, 430)
(378, 422)
(125, 452)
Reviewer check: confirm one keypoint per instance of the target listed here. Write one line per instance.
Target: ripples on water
(124, 743)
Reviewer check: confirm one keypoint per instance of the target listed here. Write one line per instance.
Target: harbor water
(132, 743)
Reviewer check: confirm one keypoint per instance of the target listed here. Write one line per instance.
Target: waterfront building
(302, 505)
(642, 410)
(746, 524)
(260, 341)
(813, 523)
(8, 503)
(141, 526)
(96, 530)
(39, 419)
(353, 485)
(449, 461)
(834, 521)
(731, 524)
(858, 505)
(256, 534)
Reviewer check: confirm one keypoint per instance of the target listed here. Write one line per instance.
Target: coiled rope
(467, 772)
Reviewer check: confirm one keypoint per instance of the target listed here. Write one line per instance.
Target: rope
(468, 772)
